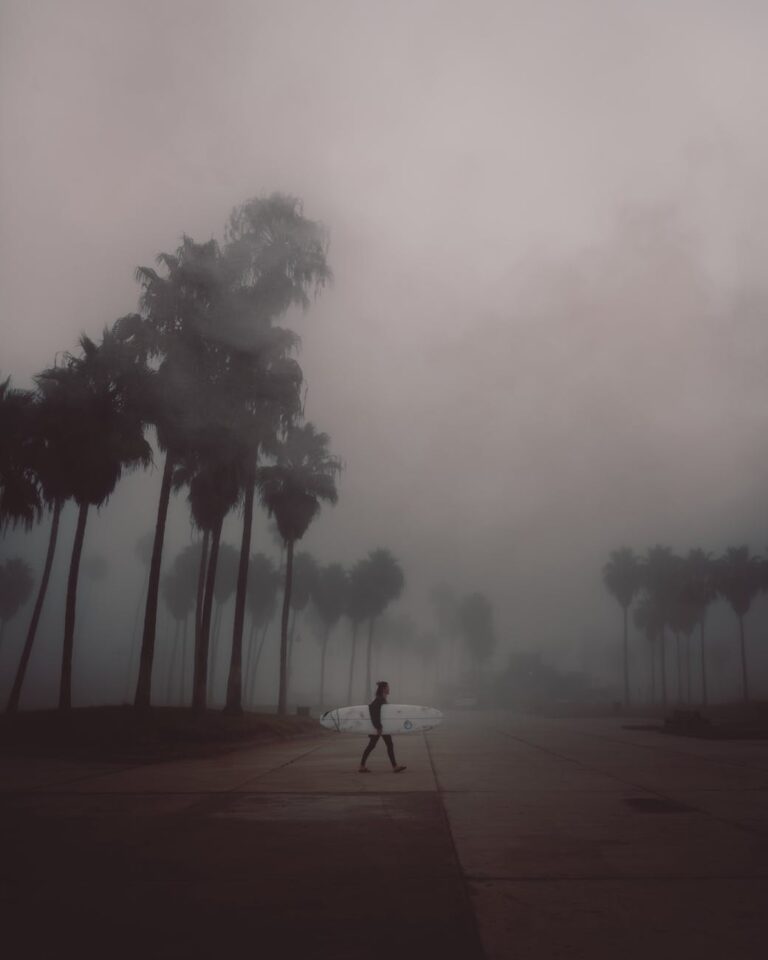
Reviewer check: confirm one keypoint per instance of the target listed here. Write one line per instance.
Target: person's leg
(372, 741)
(391, 751)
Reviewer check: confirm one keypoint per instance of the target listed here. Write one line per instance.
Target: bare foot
(398, 769)
(363, 770)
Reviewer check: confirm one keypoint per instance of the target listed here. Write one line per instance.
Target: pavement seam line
(462, 876)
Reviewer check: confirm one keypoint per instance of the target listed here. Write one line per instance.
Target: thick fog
(546, 334)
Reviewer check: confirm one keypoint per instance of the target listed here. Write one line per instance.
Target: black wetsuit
(374, 708)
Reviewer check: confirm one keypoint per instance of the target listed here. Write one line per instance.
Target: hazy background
(546, 337)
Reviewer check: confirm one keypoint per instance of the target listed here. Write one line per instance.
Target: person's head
(382, 688)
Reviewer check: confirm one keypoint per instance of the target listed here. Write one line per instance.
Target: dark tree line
(205, 366)
(671, 596)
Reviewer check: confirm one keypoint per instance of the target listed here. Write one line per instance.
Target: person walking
(374, 708)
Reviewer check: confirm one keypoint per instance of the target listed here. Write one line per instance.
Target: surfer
(374, 708)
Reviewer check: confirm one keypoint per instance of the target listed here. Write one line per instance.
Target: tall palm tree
(47, 452)
(621, 576)
(275, 257)
(178, 307)
(212, 474)
(16, 582)
(303, 476)
(104, 433)
(738, 577)
(330, 599)
(357, 611)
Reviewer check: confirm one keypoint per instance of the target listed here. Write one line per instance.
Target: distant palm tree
(660, 578)
(263, 586)
(16, 582)
(104, 433)
(701, 586)
(357, 612)
(382, 583)
(621, 576)
(647, 618)
(178, 590)
(223, 589)
(305, 571)
(738, 578)
(303, 476)
(330, 599)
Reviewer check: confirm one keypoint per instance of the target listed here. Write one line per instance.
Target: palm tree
(263, 586)
(647, 618)
(381, 582)
(305, 571)
(178, 590)
(223, 588)
(659, 573)
(303, 476)
(48, 455)
(274, 257)
(212, 474)
(177, 311)
(738, 577)
(20, 501)
(330, 599)
(702, 592)
(357, 611)
(16, 582)
(104, 433)
(621, 576)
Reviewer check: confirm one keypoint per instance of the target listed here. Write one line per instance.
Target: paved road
(506, 838)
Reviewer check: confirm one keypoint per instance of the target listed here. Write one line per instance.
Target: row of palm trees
(329, 592)
(205, 366)
(673, 593)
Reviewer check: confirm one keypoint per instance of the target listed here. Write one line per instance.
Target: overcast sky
(546, 336)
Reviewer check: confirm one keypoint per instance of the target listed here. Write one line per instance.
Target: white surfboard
(395, 718)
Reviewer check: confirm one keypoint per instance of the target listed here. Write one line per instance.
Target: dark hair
(380, 688)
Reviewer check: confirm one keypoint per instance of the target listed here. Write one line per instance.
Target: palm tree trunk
(249, 659)
(235, 679)
(703, 664)
(322, 665)
(183, 674)
(201, 585)
(291, 632)
(652, 647)
(369, 685)
(200, 685)
(214, 644)
(679, 669)
(688, 668)
(144, 684)
(282, 698)
(352, 661)
(255, 672)
(2, 631)
(172, 662)
(626, 660)
(745, 688)
(13, 703)
(65, 690)
(663, 651)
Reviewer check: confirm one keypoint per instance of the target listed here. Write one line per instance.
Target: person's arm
(374, 708)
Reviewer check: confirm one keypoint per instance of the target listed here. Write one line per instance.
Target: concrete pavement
(506, 837)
